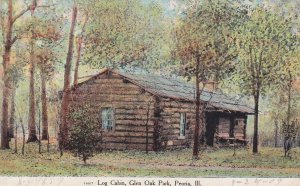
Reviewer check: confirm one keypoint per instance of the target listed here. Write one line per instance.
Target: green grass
(213, 163)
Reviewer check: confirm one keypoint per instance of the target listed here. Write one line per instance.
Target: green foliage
(85, 131)
(263, 41)
(205, 33)
(123, 32)
(290, 130)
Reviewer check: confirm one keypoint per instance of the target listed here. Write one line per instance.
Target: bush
(289, 131)
(85, 132)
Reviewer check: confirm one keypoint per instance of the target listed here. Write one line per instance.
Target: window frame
(112, 119)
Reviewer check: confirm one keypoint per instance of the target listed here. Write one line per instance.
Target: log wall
(137, 111)
(131, 105)
(170, 116)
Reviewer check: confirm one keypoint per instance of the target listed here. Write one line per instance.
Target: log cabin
(151, 112)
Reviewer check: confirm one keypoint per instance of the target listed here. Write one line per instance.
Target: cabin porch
(226, 129)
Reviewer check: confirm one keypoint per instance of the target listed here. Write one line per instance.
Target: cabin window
(182, 124)
(107, 115)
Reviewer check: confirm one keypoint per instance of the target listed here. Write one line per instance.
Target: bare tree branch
(20, 14)
(26, 10)
(14, 40)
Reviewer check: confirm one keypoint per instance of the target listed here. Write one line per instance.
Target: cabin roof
(180, 90)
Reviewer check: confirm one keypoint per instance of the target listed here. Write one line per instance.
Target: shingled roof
(181, 90)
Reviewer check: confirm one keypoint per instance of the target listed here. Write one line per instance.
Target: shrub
(289, 131)
(84, 132)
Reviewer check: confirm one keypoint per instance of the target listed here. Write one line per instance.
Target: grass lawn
(213, 163)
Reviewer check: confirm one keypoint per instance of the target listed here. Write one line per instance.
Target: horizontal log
(121, 84)
(104, 97)
(98, 102)
(120, 104)
(176, 140)
(133, 123)
(108, 92)
(110, 88)
(133, 117)
(177, 114)
(134, 106)
(118, 134)
(178, 109)
(176, 121)
(127, 140)
(102, 87)
(136, 111)
(131, 146)
(140, 124)
(108, 81)
(134, 129)
(136, 98)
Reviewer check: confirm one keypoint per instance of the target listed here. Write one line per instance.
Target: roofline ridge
(127, 75)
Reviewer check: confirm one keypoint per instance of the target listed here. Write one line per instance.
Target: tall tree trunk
(32, 137)
(16, 139)
(39, 130)
(12, 112)
(6, 81)
(6, 62)
(64, 128)
(288, 114)
(44, 106)
(255, 136)
(157, 125)
(276, 134)
(23, 139)
(197, 126)
(79, 45)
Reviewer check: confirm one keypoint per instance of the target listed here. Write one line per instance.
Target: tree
(289, 71)
(39, 31)
(289, 131)
(79, 43)
(64, 128)
(276, 103)
(290, 62)
(46, 63)
(16, 72)
(84, 136)
(203, 45)
(260, 42)
(123, 32)
(47, 56)
(32, 137)
(9, 40)
(115, 35)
